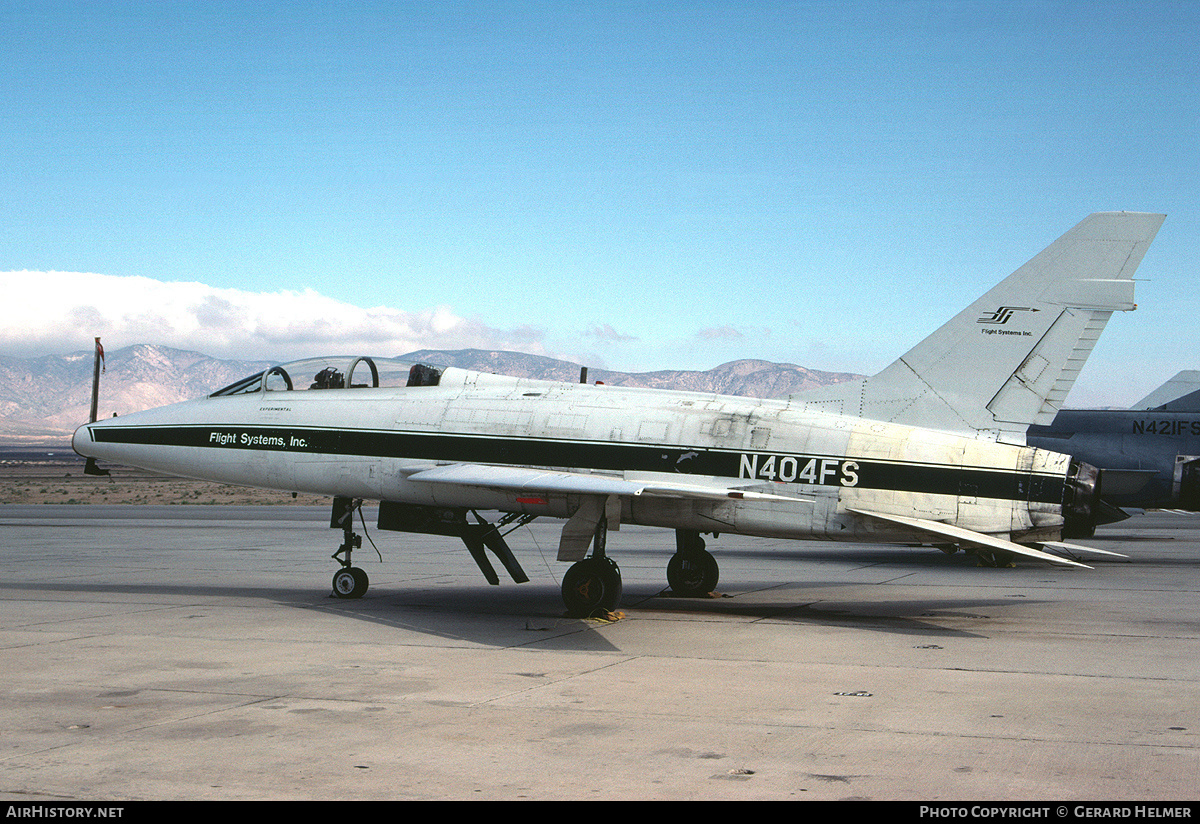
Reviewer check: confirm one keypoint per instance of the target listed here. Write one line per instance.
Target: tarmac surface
(194, 652)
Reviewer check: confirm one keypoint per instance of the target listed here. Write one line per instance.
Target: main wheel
(693, 573)
(350, 582)
(592, 585)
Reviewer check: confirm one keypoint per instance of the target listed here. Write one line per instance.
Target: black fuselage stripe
(595, 455)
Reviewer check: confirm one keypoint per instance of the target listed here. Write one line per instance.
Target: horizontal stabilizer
(967, 536)
(1083, 549)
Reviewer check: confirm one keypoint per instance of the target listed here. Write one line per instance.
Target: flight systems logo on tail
(1000, 317)
(1002, 314)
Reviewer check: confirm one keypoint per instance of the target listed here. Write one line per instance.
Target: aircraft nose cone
(81, 440)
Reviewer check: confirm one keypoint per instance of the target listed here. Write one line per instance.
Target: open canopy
(336, 372)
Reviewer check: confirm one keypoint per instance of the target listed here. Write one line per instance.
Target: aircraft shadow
(904, 617)
(470, 614)
(531, 614)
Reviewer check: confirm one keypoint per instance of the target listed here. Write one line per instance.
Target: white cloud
(605, 332)
(55, 312)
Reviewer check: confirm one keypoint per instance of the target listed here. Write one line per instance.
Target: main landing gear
(692, 571)
(995, 558)
(593, 586)
(349, 581)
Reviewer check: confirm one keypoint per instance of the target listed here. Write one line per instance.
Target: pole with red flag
(90, 467)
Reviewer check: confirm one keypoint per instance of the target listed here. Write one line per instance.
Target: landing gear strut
(593, 585)
(692, 571)
(349, 581)
(995, 558)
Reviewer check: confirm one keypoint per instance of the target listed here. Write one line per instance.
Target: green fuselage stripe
(927, 478)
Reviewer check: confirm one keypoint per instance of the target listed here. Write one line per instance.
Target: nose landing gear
(349, 581)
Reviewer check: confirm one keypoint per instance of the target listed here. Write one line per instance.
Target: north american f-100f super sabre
(928, 451)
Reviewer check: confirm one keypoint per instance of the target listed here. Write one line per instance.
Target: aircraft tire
(693, 573)
(590, 586)
(350, 582)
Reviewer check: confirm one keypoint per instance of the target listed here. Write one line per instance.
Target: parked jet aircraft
(437, 447)
(1148, 455)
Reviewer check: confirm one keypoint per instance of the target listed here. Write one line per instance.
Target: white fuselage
(814, 468)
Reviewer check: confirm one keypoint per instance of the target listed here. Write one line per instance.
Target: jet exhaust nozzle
(1081, 503)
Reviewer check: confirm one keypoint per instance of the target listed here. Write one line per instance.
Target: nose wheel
(349, 581)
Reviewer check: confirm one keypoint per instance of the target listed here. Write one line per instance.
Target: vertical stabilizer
(1009, 359)
(1180, 394)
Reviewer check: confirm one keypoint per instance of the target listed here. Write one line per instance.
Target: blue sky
(634, 185)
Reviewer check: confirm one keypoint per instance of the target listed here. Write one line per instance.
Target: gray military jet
(1148, 455)
(916, 454)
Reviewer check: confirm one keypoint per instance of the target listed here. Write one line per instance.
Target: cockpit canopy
(335, 373)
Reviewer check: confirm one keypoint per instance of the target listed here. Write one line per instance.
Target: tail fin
(1009, 359)
(1180, 394)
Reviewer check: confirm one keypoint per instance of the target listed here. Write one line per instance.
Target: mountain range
(43, 399)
